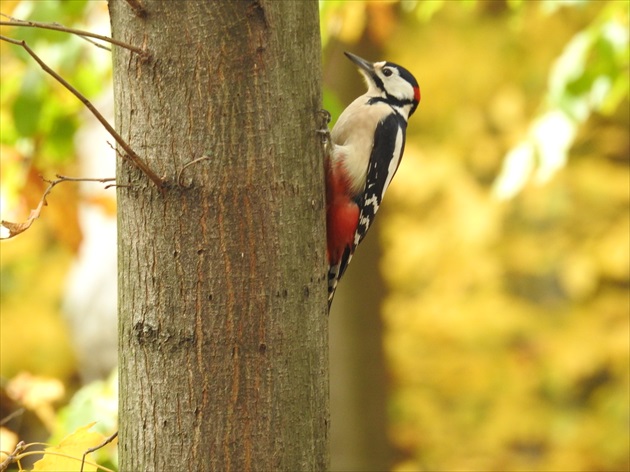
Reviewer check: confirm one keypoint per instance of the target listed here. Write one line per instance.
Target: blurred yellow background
(504, 238)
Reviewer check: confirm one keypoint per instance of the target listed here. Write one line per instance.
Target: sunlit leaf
(582, 81)
(518, 166)
(68, 454)
(36, 393)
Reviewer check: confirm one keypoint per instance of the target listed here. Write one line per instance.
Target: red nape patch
(416, 93)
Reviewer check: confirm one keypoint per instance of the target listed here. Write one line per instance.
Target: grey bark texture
(222, 299)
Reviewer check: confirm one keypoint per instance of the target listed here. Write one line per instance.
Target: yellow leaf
(68, 454)
(37, 393)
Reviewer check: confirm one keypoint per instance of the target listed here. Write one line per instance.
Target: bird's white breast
(353, 138)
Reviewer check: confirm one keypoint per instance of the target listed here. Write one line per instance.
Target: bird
(363, 152)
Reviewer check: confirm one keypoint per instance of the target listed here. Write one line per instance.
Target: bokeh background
(483, 325)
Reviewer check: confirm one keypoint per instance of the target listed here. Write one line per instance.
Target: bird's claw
(324, 132)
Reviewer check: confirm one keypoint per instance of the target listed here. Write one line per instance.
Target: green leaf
(59, 146)
(26, 113)
(332, 105)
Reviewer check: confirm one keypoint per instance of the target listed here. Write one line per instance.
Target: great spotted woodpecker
(365, 149)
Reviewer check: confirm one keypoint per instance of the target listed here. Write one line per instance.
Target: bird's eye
(387, 72)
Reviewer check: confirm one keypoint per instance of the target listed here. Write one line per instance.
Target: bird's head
(389, 81)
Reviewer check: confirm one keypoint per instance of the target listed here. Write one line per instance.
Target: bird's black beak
(361, 63)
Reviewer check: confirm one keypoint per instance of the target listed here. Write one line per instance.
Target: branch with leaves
(66, 455)
(129, 153)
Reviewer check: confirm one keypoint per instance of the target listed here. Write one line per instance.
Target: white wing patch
(393, 164)
(364, 220)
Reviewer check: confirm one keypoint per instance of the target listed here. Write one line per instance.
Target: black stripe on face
(392, 101)
(377, 81)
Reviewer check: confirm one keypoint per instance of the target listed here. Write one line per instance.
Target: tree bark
(222, 299)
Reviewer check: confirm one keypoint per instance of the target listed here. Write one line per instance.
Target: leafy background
(503, 244)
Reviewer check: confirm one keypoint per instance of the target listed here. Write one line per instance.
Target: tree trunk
(222, 299)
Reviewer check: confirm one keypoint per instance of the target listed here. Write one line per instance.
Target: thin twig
(18, 228)
(14, 456)
(94, 43)
(96, 448)
(48, 452)
(65, 178)
(181, 171)
(130, 153)
(10, 416)
(58, 27)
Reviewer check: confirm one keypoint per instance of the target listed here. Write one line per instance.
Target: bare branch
(181, 171)
(94, 43)
(65, 178)
(10, 416)
(81, 33)
(138, 8)
(18, 228)
(130, 153)
(14, 456)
